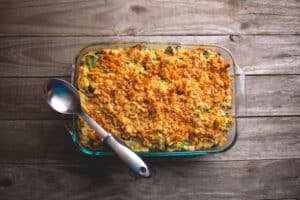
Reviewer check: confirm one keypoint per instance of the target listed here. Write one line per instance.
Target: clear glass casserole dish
(237, 86)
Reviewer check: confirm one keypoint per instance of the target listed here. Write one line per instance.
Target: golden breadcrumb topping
(169, 99)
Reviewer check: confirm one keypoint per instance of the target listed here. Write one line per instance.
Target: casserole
(237, 89)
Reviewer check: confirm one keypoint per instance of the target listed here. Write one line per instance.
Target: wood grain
(53, 56)
(264, 179)
(273, 95)
(47, 141)
(39, 39)
(101, 17)
(22, 98)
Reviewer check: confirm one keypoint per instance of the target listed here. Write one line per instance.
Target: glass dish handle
(241, 92)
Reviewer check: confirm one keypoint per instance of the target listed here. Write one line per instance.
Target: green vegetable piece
(226, 114)
(184, 145)
(152, 149)
(206, 54)
(169, 50)
(162, 144)
(90, 143)
(228, 125)
(91, 60)
(156, 58)
(177, 47)
(144, 66)
(206, 110)
(171, 147)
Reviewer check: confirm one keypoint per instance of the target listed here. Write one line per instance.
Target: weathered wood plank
(277, 95)
(23, 141)
(22, 98)
(46, 141)
(148, 17)
(38, 159)
(264, 179)
(53, 56)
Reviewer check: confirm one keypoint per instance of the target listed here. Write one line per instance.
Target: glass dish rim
(236, 71)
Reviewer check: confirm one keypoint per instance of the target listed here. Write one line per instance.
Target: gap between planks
(155, 35)
(115, 160)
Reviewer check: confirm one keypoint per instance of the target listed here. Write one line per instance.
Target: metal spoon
(64, 98)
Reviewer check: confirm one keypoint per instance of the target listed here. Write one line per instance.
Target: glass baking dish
(238, 96)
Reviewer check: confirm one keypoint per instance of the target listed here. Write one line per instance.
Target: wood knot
(245, 25)
(130, 31)
(234, 4)
(138, 9)
(234, 38)
(5, 182)
(252, 169)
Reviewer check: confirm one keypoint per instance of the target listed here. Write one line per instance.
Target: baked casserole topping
(169, 99)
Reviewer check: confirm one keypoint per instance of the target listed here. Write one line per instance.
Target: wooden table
(39, 39)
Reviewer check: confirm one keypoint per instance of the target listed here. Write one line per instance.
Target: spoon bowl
(62, 97)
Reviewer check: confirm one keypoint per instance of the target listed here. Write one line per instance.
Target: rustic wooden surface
(39, 39)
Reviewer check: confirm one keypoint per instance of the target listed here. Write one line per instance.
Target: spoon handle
(127, 156)
(94, 125)
(130, 158)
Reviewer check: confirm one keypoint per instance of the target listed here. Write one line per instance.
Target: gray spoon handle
(127, 156)
(94, 125)
(130, 158)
